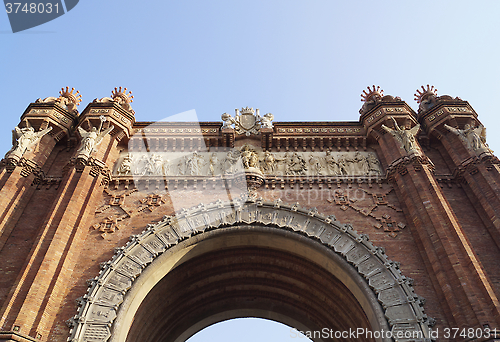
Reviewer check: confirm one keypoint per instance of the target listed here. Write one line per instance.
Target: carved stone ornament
(23, 139)
(98, 309)
(247, 121)
(175, 164)
(67, 99)
(121, 97)
(406, 137)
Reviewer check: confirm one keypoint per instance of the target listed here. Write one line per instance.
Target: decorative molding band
(98, 308)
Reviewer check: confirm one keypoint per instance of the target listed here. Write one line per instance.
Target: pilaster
(457, 274)
(42, 125)
(39, 291)
(455, 124)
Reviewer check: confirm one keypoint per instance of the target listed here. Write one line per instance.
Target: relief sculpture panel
(208, 164)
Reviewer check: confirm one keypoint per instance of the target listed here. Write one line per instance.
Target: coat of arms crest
(247, 121)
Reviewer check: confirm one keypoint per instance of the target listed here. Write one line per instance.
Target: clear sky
(300, 60)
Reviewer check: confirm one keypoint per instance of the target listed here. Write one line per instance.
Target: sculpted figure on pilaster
(23, 139)
(474, 138)
(91, 139)
(406, 137)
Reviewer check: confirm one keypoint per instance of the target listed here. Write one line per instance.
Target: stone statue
(266, 121)
(296, 165)
(23, 139)
(474, 138)
(228, 120)
(405, 136)
(91, 139)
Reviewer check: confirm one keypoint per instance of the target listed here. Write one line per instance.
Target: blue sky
(300, 60)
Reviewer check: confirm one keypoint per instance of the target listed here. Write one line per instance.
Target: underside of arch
(259, 259)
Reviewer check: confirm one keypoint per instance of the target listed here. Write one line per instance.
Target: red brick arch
(371, 285)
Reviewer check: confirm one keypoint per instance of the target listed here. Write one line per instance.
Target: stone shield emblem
(247, 121)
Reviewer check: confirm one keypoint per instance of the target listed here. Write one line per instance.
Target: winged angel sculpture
(23, 139)
(91, 139)
(405, 136)
(474, 138)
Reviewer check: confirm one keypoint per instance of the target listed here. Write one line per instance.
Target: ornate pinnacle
(75, 98)
(120, 94)
(375, 91)
(421, 95)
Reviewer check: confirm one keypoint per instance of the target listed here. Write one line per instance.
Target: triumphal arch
(387, 228)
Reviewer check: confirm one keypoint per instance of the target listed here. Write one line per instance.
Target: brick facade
(433, 205)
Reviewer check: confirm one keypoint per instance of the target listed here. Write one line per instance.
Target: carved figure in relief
(213, 163)
(92, 138)
(474, 138)
(23, 139)
(341, 162)
(140, 165)
(125, 166)
(194, 164)
(405, 136)
(166, 167)
(296, 165)
(249, 157)
(361, 164)
(332, 164)
(231, 161)
(156, 164)
(317, 166)
(269, 162)
(373, 164)
(181, 167)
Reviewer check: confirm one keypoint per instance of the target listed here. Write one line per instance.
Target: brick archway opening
(248, 271)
